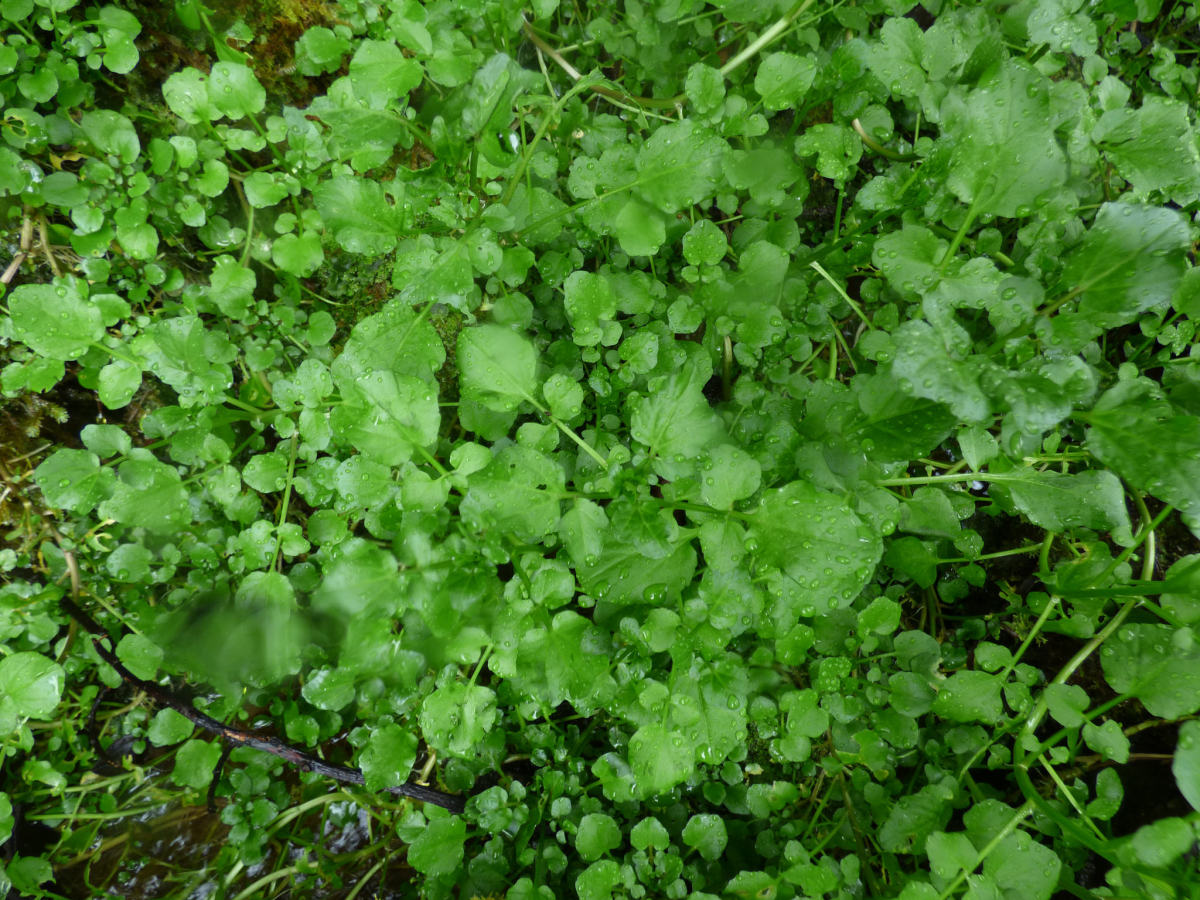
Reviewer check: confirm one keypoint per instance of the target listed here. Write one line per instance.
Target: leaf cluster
(746, 450)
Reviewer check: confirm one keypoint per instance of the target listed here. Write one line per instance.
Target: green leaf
(704, 244)
(438, 848)
(266, 472)
(661, 758)
(129, 563)
(1158, 665)
(826, 553)
(195, 763)
(970, 696)
(783, 79)
(388, 758)
(767, 172)
(838, 149)
(1063, 26)
(234, 90)
(1153, 455)
(497, 367)
(706, 834)
(705, 88)
(708, 704)
(106, 440)
(457, 716)
(140, 655)
(299, 254)
(168, 727)
(1093, 499)
(882, 616)
(1186, 764)
(119, 27)
(387, 416)
(319, 50)
(1161, 843)
(563, 396)
(186, 93)
(1022, 867)
(55, 320)
(330, 689)
(1129, 262)
(149, 495)
(590, 304)
(564, 663)
(519, 493)
(923, 367)
(263, 189)
(231, 287)
(728, 474)
(929, 512)
(74, 480)
(674, 419)
(191, 358)
(598, 833)
(1006, 159)
(359, 579)
(950, 853)
(111, 133)
(1154, 147)
(356, 211)
(118, 382)
(649, 832)
(598, 880)
(32, 683)
(380, 73)
(896, 59)
(639, 228)
(680, 165)
(1108, 740)
(1067, 703)
(622, 574)
(1109, 794)
(914, 817)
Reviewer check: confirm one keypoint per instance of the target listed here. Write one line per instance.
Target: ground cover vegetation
(729, 449)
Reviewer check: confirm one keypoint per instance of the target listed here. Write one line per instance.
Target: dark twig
(238, 737)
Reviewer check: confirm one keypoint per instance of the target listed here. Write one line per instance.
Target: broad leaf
(826, 553)
(1128, 262)
(358, 214)
(55, 320)
(497, 367)
(1006, 158)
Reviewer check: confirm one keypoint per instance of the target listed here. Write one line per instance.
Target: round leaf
(33, 683)
(54, 320)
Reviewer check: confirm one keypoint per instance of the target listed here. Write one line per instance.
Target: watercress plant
(741, 449)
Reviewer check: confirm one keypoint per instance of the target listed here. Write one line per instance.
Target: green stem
(972, 212)
(948, 479)
(842, 293)
(1018, 817)
(879, 148)
(768, 37)
(583, 445)
(283, 506)
(552, 116)
(999, 554)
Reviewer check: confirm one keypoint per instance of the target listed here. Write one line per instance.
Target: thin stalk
(1009, 827)
(547, 121)
(768, 37)
(880, 149)
(842, 293)
(283, 506)
(583, 445)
